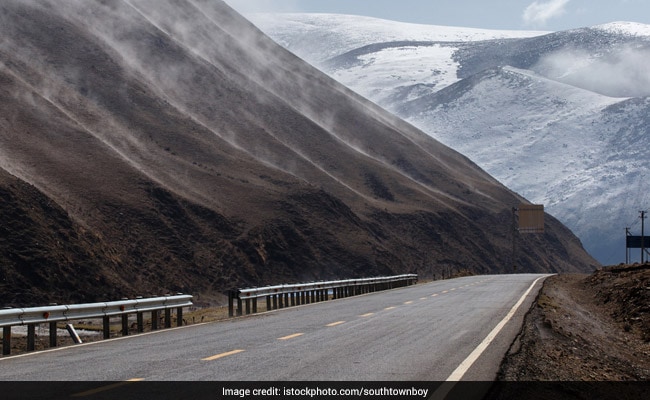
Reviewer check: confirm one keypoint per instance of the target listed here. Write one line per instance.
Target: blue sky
(496, 14)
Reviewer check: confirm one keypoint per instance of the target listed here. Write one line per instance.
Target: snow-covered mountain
(562, 117)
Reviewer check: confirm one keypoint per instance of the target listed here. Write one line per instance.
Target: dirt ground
(583, 332)
(586, 327)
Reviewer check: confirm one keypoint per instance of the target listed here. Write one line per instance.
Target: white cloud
(539, 12)
(621, 72)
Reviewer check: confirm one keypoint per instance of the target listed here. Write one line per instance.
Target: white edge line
(464, 366)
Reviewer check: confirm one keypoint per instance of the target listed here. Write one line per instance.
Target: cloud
(621, 72)
(539, 12)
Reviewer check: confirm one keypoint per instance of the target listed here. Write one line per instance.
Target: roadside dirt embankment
(586, 328)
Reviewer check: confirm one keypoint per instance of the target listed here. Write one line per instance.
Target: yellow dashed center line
(389, 308)
(423, 298)
(408, 302)
(295, 335)
(226, 354)
(106, 388)
(445, 291)
(434, 295)
(336, 323)
(367, 315)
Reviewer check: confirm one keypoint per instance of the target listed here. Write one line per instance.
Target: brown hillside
(150, 147)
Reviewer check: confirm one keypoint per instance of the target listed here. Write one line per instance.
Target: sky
(551, 15)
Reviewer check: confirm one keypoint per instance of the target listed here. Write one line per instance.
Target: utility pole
(643, 217)
(514, 238)
(627, 249)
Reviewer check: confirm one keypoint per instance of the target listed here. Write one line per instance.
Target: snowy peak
(625, 28)
(558, 116)
(337, 33)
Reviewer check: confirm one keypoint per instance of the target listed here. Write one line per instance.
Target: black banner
(320, 390)
(638, 242)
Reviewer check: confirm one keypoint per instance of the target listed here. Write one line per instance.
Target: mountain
(149, 147)
(559, 117)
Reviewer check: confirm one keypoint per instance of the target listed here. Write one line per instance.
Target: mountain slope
(180, 149)
(536, 111)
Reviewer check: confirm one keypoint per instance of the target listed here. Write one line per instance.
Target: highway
(418, 333)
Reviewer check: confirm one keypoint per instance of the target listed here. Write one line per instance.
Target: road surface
(418, 333)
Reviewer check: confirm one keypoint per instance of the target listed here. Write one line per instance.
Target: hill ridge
(247, 169)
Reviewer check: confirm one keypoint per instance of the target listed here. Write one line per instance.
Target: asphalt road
(419, 333)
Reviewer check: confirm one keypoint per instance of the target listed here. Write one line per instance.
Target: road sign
(638, 242)
(531, 218)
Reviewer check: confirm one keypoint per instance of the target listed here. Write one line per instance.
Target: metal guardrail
(62, 313)
(281, 296)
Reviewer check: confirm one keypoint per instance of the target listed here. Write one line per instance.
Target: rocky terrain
(151, 147)
(584, 328)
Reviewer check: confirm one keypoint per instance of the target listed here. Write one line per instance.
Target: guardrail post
(255, 305)
(107, 327)
(280, 303)
(293, 299)
(231, 305)
(31, 337)
(275, 301)
(239, 307)
(52, 334)
(140, 320)
(168, 318)
(125, 325)
(6, 340)
(248, 306)
(179, 316)
(154, 320)
(268, 303)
